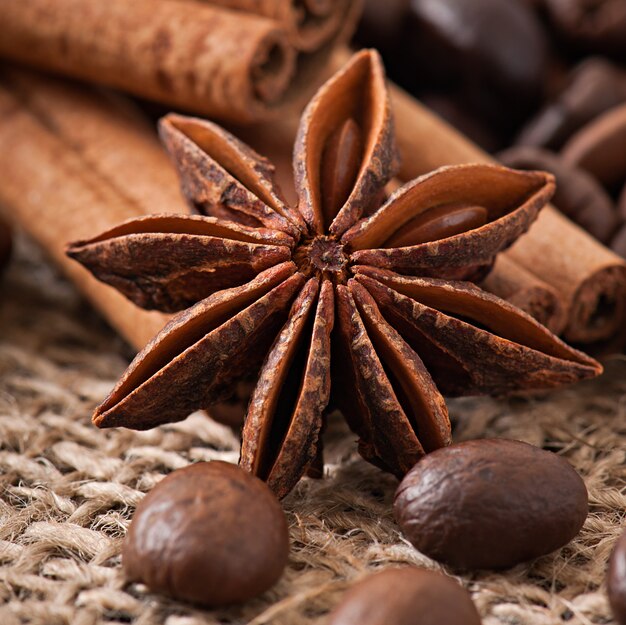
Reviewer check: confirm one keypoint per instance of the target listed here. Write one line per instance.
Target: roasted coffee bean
(491, 53)
(593, 25)
(406, 596)
(210, 533)
(594, 86)
(600, 148)
(490, 504)
(382, 23)
(616, 580)
(578, 194)
(474, 128)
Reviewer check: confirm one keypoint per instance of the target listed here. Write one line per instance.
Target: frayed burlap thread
(68, 490)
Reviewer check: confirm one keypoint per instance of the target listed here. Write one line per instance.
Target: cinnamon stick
(589, 278)
(109, 132)
(309, 23)
(222, 63)
(56, 191)
(510, 281)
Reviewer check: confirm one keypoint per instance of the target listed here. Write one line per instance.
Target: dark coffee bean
(593, 25)
(382, 23)
(578, 195)
(209, 533)
(490, 504)
(616, 580)
(464, 121)
(600, 148)
(594, 86)
(492, 53)
(406, 596)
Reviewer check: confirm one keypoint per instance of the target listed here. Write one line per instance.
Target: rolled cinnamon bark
(510, 281)
(223, 63)
(589, 278)
(54, 194)
(109, 132)
(309, 23)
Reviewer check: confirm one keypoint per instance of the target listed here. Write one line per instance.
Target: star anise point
(349, 287)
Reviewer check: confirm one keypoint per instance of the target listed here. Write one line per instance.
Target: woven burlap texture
(69, 490)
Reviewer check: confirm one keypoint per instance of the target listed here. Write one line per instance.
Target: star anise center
(322, 255)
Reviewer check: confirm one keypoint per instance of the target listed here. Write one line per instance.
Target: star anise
(379, 288)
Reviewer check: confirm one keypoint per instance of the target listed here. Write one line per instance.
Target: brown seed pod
(490, 504)
(320, 293)
(406, 596)
(210, 533)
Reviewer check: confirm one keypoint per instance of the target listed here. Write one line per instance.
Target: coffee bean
(406, 596)
(463, 120)
(594, 25)
(616, 580)
(382, 23)
(490, 504)
(210, 533)
(600, 148)
(593, 87)
(492, 53)
(578, 195)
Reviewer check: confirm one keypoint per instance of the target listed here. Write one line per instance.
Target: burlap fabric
(69, 490)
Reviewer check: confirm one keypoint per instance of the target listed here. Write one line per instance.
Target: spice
(406, 596)
(399, 341)
(88, 187)
(234, 65)
(309, 23)
(490, 504)
(209, 533)
(616, 580)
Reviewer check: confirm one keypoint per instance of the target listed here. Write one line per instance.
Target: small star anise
(379, 291)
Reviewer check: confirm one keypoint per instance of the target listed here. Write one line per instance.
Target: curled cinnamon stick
(109, 133)
(55, 190)
(309, 23)
(226, 64)
(589, 278)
